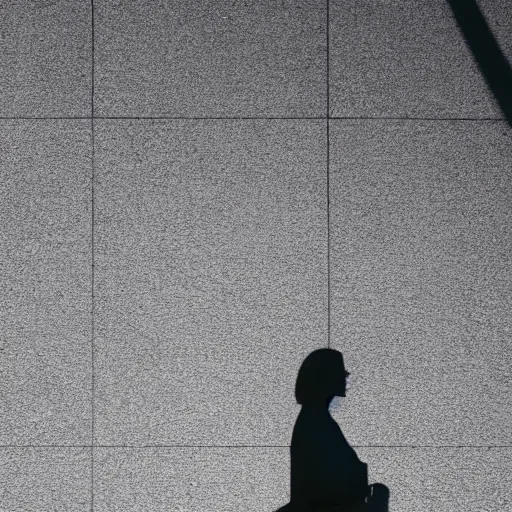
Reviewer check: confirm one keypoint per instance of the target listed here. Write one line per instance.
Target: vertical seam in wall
(328, 201)
(92, 257)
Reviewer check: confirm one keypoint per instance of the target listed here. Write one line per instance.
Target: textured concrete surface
(211, 58)
(211, 276)
(163, 377)
(45, 58)
(421, 241)
(395, 58)
(36, 478)
(442, 479)
(45, 279)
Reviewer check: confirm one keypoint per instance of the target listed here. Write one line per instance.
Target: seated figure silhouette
(326, 474)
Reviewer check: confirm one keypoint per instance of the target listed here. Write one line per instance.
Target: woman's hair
(321, 375)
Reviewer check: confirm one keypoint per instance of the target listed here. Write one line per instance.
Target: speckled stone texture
(167, 265)
(396, 58)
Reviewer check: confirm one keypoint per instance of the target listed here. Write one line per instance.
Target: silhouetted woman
(326, 474)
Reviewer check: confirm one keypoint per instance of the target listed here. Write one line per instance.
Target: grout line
(406, 118)
(328, 198)
(328, 113)
(92, 256)
(178, 118)
(251, 446)
(362, 118)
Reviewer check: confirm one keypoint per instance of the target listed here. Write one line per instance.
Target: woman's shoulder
(312, 425)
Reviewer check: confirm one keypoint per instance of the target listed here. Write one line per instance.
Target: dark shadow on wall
(486, 51)
(326, 474)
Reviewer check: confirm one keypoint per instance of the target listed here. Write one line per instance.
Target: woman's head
(321, 376)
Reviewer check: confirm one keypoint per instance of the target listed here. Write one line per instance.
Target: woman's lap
(377, 501)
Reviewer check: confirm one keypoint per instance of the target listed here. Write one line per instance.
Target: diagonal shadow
(486, 51)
